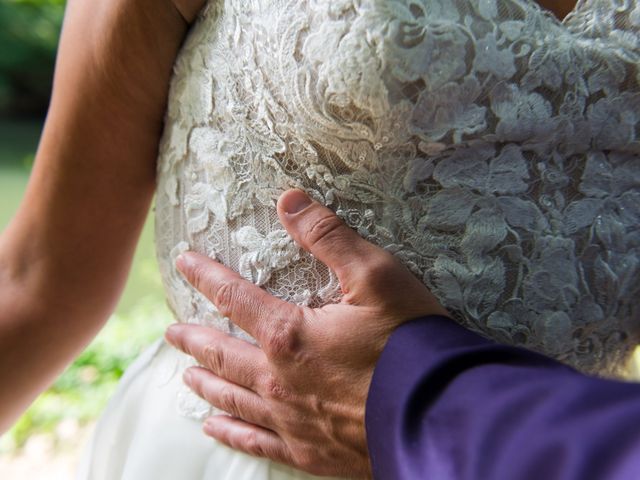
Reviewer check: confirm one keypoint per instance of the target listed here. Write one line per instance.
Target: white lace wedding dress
(489, 146)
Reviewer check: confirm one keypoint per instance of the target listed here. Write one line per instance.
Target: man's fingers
(237, 401)
(274, 323)
(248, 438)
(322, 233)
(228, 357)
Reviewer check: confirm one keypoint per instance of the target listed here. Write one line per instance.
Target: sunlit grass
(82, 391)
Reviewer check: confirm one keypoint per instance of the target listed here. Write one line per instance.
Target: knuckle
(214, 357)
(323, 230)
(252, 444)
(274, 389)
(225, 296)
(197, 276)
(227, 401)
(284, 342)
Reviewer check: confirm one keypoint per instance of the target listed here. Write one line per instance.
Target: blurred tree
(29, 31)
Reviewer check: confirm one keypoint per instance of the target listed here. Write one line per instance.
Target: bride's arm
(65, 256)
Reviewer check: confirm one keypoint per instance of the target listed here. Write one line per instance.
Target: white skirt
(141, 435)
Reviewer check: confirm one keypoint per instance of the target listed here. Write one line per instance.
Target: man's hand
(300, 398)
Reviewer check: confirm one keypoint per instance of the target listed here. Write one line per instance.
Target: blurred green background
(29, 32)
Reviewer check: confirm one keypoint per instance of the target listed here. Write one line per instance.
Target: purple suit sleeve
(445, 404)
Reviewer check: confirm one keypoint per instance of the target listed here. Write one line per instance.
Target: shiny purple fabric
(447, 404)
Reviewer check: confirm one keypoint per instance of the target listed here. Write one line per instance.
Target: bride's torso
(491, 148)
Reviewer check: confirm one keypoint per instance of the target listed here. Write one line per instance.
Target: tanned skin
(561, 8)
(65, 255)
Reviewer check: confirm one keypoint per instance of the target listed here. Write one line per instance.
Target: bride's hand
(300, 398)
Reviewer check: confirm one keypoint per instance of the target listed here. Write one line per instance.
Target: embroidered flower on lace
(489, 147)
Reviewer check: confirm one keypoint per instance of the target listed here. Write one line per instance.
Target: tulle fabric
(141, 435)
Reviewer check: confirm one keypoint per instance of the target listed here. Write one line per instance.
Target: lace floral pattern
(490, 147)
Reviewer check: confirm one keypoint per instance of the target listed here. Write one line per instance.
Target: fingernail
(184, 261)
(207, 426)
(295, 201)
(171, 333)
(181, 262)
(187, 376)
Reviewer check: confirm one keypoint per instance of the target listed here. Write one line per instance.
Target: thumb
(321, 232)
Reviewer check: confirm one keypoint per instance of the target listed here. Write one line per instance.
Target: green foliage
(29, 31)
(18, 142)
(82, 391)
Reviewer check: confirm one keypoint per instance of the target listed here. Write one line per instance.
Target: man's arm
(445, 403)
(65, 255)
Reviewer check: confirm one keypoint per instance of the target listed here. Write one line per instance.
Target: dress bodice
(489, 146)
